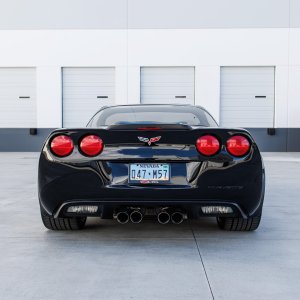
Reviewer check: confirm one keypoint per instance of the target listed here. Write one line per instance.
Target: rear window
(152, 114)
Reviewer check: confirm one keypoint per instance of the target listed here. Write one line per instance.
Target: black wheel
(63, 223)
(239, 224)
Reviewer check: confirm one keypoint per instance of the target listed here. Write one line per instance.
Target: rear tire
(63, 223)
(239, 224)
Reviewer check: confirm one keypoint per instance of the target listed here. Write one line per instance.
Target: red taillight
(91, 145)
(149, 128)
(208, 145)
(62, 145)
(238, 145)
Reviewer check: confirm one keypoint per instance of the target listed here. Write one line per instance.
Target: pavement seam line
(202, 262)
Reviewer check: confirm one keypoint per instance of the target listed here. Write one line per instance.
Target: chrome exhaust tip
(177, 217)
(122, 217)
(163, 217)
(136, 216)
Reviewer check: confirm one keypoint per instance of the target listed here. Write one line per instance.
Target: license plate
(149, 173)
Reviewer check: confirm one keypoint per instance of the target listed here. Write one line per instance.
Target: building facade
(62, 60)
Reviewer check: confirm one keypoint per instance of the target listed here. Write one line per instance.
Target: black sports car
(171, 162)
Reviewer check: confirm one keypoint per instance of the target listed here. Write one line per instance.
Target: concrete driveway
(194, 260)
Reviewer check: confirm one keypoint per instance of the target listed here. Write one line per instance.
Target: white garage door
(85, 91)
(167, 85)
(247, 96)
(17, 97)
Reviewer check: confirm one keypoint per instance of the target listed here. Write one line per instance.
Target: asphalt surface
(194, 260)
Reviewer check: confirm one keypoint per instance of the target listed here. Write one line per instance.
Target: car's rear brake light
(149, 128)
(62, 145)
(238, 145)
(208, 145)
(91, 145)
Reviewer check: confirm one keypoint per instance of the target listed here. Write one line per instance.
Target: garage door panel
(247, 96)
(85, 91)
(18, 97)
(173, 85)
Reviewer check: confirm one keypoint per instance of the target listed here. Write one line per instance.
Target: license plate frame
(148, 174)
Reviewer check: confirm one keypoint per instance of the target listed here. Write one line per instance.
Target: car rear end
(170, 171)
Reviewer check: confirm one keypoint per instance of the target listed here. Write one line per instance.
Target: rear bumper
(192, 207)
(239, 185)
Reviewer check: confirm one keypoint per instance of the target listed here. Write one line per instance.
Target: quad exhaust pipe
(135, 215)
